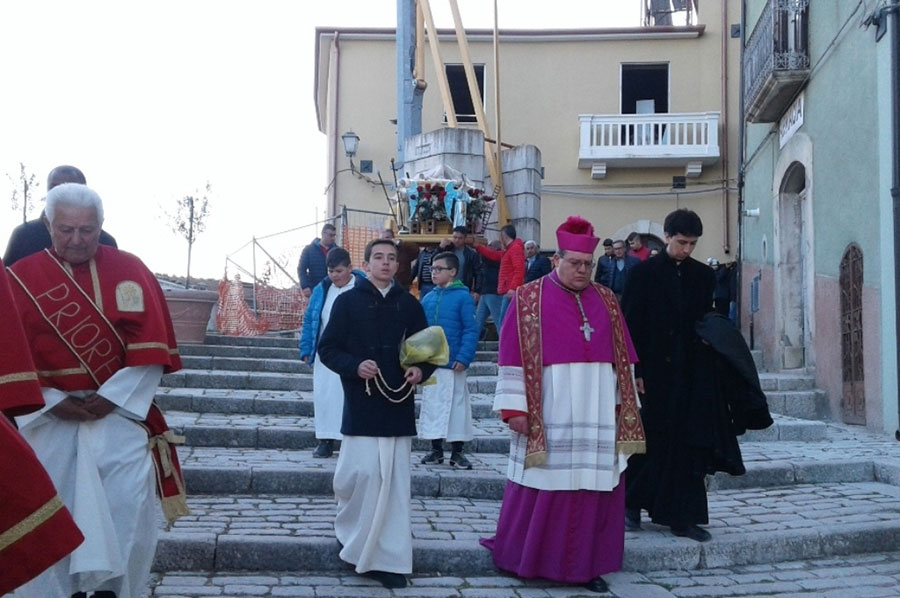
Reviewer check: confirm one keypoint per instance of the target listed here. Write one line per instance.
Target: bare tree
(189, 220)
(24, 187)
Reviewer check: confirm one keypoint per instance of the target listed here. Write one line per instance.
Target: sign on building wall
(791, 121)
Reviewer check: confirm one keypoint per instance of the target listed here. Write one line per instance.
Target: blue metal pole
(409, 96)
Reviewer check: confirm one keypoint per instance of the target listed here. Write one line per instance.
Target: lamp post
(351, 143)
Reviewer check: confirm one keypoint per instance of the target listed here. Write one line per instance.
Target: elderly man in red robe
(36, 529)
(101, 339)
(566, 389)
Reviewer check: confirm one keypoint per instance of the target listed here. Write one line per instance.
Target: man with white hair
(33, 236)
(101, 339)
(536, 265)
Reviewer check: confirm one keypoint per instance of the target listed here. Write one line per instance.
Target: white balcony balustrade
(689, 140)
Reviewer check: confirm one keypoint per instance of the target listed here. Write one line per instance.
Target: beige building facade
(621, 118)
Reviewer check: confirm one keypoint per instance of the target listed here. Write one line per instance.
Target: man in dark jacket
(488, 300)
(665, 297)
(469, 260)
(536, 265)
(312, 269)
(34, 235)
(616, 270)
(361, 342)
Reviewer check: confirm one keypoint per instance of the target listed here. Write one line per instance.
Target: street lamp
(351, 142)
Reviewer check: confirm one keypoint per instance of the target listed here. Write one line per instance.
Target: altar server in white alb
(328, 395)
(362, 342)
(101, 339)
(446, 411)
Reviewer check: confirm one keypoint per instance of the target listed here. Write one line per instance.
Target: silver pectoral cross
(587, 330)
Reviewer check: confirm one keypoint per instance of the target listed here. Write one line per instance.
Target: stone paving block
(294, 591)
(222, 404)
(834, 471)
(286, 438)
(759, 475)
(295, 406)
(471, 485)
(761, 547)
(679, 553)
(853, 538)
(262, 553)
(285, 481)
(459, 558)
(225, 437)
(887, 472)
(217, 480)
(639, 590)
(802, 430)
(181, 551)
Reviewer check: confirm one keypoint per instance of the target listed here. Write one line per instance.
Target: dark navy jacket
(366, 325)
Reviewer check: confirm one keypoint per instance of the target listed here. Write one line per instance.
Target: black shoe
(597, 585)
(391, 581)
(693, 532)
(459, 460)
(434, 457)
(324, 450)
(632, 520)
(103, 594)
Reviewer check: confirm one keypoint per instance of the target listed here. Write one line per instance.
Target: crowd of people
(606, 374)
(621, 380)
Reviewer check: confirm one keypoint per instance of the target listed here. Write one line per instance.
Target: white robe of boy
(446, 411)
(328, 401)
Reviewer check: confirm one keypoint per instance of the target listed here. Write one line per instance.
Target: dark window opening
(645, 86)
(459, 91)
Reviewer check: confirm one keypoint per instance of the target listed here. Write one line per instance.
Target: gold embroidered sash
(629, 429)
(79, 323)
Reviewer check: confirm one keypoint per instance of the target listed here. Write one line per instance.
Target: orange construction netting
(277, 309)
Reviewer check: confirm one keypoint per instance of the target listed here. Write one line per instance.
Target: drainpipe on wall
(334, 96)
(726, 221)
(740, 175)
(895, 182)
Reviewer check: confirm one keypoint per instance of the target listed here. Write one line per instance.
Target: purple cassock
(567, 532)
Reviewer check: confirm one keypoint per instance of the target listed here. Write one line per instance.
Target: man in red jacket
(512, 266)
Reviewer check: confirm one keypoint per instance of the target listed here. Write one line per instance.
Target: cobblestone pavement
(730, 512)
(859, 576)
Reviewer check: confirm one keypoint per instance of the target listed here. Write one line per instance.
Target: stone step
(293, 352)
(223, 471)
(267, 402)
(292, 432)
(865, 574)
(289, 340)
(786, 381)
(289, 366)
(285, 381)
(804, 404)
(279, 533)
(298, 431)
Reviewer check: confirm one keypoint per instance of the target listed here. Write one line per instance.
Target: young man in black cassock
(366, 328)
(665, 297)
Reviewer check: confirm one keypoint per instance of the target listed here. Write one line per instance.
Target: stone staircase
(261, 502)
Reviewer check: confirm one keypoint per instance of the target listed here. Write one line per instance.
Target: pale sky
(151, 100)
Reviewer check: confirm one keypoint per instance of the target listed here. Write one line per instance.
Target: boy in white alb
(328, 403)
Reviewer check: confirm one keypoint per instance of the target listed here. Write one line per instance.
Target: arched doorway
(853, 400)
(793, 268)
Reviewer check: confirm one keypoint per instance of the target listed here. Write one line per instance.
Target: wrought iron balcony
(776, 59)
(690, 140)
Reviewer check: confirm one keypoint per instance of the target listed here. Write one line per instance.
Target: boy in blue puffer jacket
(446, 412)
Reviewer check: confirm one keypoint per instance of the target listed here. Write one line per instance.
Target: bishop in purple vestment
(566, 390)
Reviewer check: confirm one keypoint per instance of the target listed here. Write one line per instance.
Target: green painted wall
(842, 122)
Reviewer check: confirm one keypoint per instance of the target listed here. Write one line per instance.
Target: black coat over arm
(366, 325)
